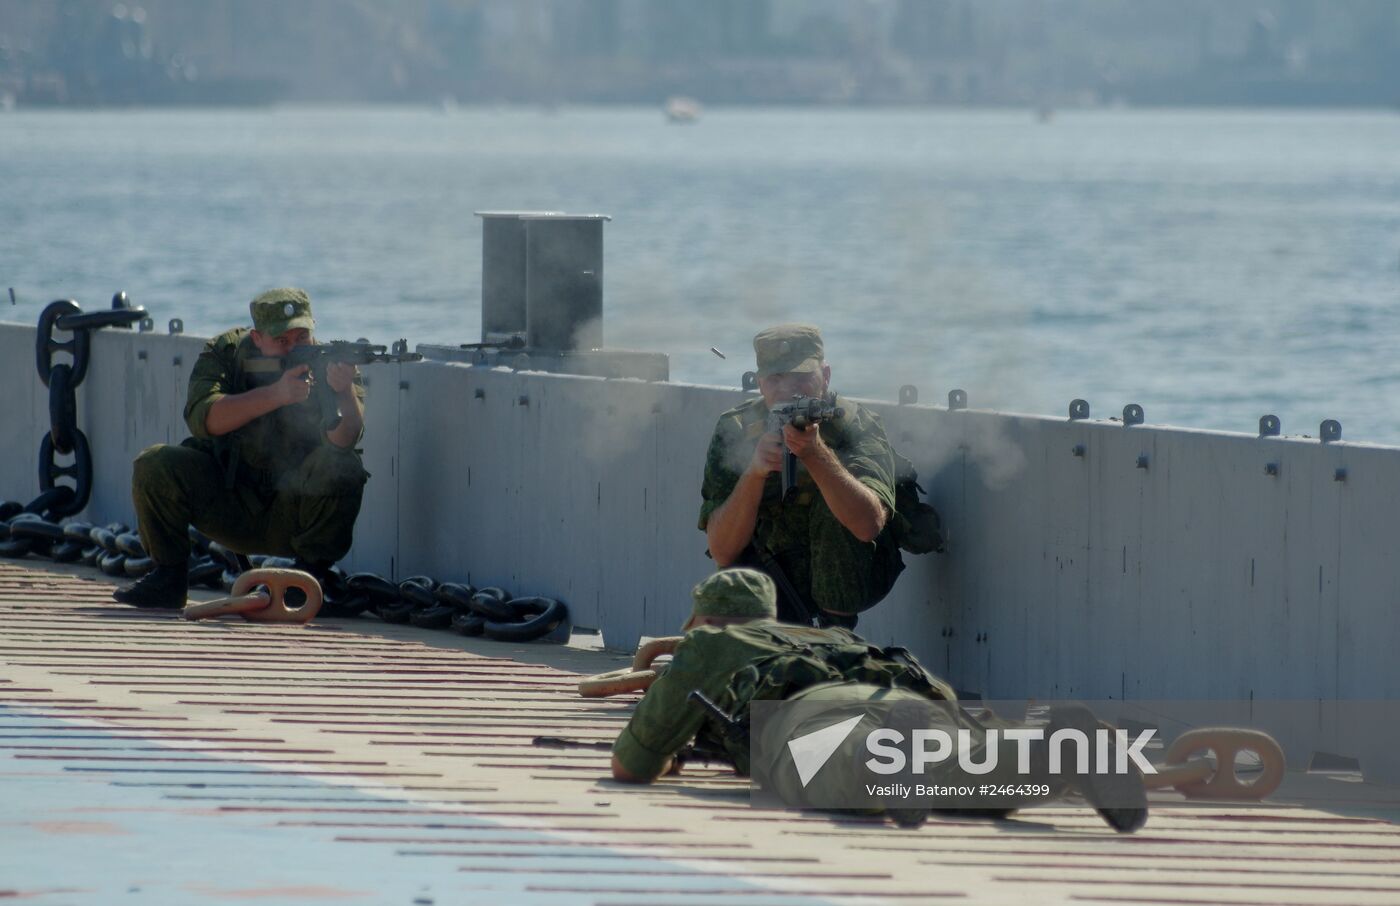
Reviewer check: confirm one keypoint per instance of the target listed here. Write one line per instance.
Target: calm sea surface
(1211, 266)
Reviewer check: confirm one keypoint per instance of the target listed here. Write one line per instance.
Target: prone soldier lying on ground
(736, 653)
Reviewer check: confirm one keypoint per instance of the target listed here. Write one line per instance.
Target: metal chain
(64, 437)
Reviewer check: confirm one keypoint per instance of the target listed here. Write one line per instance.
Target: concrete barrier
(1087, 559)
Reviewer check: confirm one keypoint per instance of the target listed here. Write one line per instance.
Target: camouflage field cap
(788, 347)
(279, 310)
(734, 593)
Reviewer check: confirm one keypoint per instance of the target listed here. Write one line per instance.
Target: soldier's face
(778, 388)
(278, 346)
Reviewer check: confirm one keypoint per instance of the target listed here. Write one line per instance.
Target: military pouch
(916, 525)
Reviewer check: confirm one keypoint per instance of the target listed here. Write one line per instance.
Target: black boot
(165, 587)
(1120, 799)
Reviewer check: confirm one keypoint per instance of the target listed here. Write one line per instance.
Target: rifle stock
(319, 356)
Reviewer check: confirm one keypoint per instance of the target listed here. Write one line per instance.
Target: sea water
(1211, 266)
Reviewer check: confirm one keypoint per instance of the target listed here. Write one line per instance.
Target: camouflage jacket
(739, 664)
(857, 439)
(271, 445)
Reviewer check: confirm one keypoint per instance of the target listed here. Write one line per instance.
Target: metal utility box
(542, 279)
(564, 281)
(542, 300)
(502, 276)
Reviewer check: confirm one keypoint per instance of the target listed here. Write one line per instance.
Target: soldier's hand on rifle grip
(768, 454)
(803, 442)
(295, 385)
(341, 376)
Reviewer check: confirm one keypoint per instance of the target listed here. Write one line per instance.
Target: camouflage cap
(734, 593)
(788, 347)
(279, 310)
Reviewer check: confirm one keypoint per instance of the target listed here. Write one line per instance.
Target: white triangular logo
(812, 751)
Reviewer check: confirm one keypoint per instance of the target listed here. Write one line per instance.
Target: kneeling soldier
(261, 473)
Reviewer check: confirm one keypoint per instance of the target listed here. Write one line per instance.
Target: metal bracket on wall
(749, 381)
(1330, 430)
(908, 395)
(957, 399)
(1271, 469)
(1132, 415)
(1269, 426)
(175, 326)
(1078, 410)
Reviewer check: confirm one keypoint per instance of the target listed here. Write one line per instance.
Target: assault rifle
(686, 754)
(731, 731)
(320, 355)
(800, 412)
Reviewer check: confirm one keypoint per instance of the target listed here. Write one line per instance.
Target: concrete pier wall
(1087, 559)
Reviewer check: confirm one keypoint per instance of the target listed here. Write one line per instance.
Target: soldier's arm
(211, 406)
(349, 395)
(232, 411)
(729, 525)
(665, 720)
(854, 504)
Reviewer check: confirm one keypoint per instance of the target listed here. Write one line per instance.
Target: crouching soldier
(735, 653)
(261, 473)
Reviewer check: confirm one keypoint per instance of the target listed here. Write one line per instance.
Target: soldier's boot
(1120, 799)
(165, 587)
(905, 718)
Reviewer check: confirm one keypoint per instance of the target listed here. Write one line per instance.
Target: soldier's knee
(154, 464)
(333, 471)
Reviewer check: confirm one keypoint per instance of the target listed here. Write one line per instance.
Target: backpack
(791, 658)
(804, 657)
(916, 525)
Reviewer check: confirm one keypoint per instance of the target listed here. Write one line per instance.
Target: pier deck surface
(147, 759)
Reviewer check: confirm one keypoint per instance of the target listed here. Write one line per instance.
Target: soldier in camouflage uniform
(829, 545)
(260, 473)
(736, 653)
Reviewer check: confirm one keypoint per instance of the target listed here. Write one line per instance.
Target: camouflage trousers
(846, 780)
(308, 513)
(832, 570)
